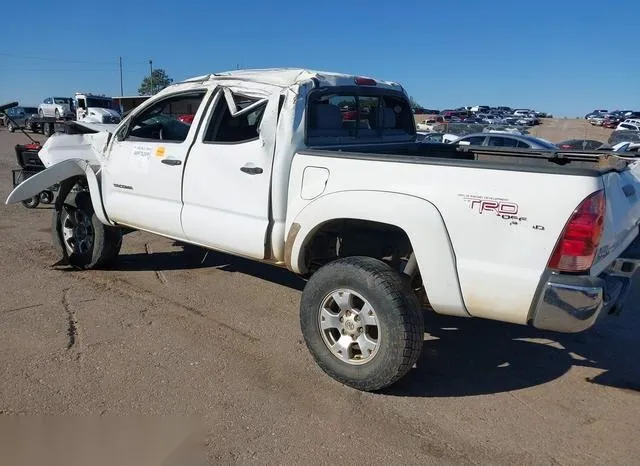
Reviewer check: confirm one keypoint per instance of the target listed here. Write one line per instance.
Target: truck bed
(580, 163)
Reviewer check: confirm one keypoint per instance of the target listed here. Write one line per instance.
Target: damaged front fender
(57, 173)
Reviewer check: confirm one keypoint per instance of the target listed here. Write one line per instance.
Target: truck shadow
(467, 357)
(194, 257)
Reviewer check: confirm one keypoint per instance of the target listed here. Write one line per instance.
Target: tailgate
(622, 191)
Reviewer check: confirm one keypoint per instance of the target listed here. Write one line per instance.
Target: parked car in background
(579, 144)
(58, 107)
(436, 137)
(595, 113)
(505, 140)
(629, 125)
(629, 147)
(20, 117)
(611, 123)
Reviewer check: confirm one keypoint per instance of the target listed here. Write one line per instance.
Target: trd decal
(503, 208)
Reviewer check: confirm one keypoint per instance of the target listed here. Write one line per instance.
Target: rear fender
(56, 174)
(417, 217)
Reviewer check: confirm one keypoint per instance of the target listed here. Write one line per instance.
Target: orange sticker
(160, 152)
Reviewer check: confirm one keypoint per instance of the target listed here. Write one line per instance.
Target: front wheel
(361, 322)
(80, 238)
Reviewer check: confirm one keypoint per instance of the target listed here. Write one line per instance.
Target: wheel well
(353, 237)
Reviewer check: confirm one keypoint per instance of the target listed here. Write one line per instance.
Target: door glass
(161, 122)
(242, 127)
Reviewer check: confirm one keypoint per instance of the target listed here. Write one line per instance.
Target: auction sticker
(141, 151)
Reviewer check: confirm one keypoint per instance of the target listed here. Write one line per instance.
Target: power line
(66, 60)
(137, 70)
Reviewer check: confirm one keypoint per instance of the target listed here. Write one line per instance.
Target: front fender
(56, 174)
(417, 217)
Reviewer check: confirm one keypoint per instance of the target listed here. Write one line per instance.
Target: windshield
(62, 100)
(102, 103)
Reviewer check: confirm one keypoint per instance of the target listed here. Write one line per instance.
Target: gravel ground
(172, 332)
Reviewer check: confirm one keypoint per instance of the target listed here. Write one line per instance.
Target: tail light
(580, 238)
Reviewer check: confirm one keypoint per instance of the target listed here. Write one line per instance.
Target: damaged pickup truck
(321, 173)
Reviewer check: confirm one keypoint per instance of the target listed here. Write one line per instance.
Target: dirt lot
(556, 130)
(172, 332)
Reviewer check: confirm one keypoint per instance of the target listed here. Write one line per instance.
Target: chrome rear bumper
(573, 303)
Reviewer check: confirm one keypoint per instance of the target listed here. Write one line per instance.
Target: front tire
(80, 237)
(361, 322)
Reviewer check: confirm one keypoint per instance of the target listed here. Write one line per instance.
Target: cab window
(160, 121)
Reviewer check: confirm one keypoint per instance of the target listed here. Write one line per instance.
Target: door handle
(171, 161)
(251, 170)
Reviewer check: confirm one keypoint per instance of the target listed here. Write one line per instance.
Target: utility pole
(151, 75)
(121, 92)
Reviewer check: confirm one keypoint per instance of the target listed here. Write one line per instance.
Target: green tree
(414, 103)
(155, 82)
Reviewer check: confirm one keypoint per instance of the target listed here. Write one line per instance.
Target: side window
(160, 122)
(502, 142)
(242, 126)
(474, 140)
(523, 145)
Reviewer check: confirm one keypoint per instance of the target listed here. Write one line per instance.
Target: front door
(143, 177)
(227, 178)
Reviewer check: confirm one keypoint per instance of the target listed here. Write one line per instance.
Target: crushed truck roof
(286, 77)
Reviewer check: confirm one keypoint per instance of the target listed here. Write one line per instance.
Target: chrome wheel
(77, 231)
(349, 326)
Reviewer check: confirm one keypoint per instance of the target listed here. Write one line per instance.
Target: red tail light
(579, 241)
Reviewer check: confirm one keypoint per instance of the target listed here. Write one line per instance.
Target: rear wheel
(10, 127)
(361, 322)
(79, 236)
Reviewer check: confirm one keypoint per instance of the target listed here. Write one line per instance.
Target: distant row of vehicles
(482, 115)
(616, 119)
(497, 138)
(86, 107)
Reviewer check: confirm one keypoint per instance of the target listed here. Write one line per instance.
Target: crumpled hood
(60, 146)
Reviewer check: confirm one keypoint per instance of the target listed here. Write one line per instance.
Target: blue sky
(566, 57)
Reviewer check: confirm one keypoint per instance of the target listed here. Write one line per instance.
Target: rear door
(143, 177)
(228, 174)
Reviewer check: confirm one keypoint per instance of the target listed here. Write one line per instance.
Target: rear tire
(80, 238)
(368, 336)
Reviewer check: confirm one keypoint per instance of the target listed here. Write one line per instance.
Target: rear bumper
(573, 303)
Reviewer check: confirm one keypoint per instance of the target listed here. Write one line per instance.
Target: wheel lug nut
(360, 329)
(341, 319)
(357, 318)
(344, 331)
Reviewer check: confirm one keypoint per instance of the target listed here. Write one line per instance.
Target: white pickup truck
(320, 173)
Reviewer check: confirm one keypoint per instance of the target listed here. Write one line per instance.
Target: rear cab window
(356, 115)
